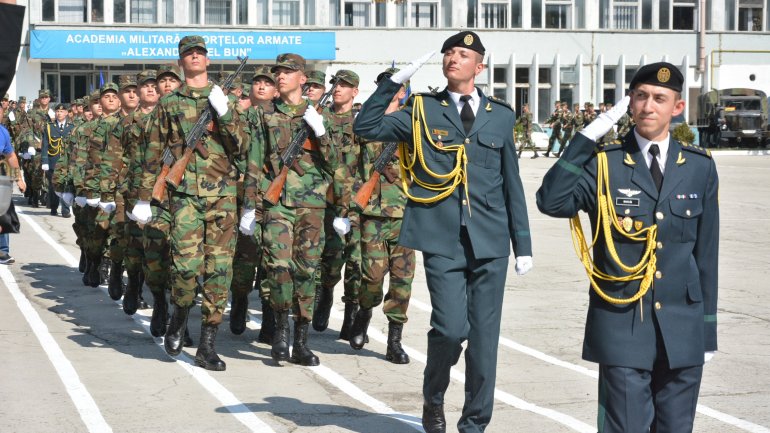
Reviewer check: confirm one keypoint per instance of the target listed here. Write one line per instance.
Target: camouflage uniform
(556, 123)
(624, 125)
(568, 125)
(40, 120)
(525, 120)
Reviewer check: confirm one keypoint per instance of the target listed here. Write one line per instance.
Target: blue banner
(86, 44)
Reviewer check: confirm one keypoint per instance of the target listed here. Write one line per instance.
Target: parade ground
(72, 361)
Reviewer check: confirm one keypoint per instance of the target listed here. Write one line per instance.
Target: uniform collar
(644, 147)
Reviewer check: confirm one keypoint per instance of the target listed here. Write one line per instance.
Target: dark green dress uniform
(55, 138)
(661, 341)
(465, 239)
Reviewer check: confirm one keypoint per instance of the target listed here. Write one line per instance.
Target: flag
(101, 79)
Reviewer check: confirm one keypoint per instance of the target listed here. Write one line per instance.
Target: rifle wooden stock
(176, 173)
(159, 189)
(365, 192)
(273, 193)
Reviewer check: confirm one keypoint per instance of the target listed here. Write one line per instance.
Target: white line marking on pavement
(84, 402)
(216, 389)
(721, 416)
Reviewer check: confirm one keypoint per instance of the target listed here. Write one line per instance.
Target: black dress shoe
(66, 214)
(433, 420)
(54, 213)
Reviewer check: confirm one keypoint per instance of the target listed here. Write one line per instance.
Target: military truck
(733, 118)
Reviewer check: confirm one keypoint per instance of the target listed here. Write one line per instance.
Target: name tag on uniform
(622, 201)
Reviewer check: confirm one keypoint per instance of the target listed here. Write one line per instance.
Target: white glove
(51, 113)
(523, 264)
(707, 356)
(605, 121)
(11, 116)
(93, 202)
(31, 150)
(341, 225)
(248, 222)
(58, 194)
(405, 73)
(142, 212)
(44, 167)
(26, 155)
(107, 206)
(81, 201)
(67, 197)
(218, 100)
(315, 121)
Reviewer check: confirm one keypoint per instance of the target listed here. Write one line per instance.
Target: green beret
(189, 42)
(464, 39)
(661, 74)
(60, 106)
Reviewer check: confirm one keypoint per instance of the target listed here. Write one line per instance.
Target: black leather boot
(395, 352)
(104, 271)
(280, 349)
(142, 303)
(351, 308)
(87, 273)
(94, 272)
(115, 287)
(159, 314)
(82, 263)
(300, 354)
(35, 199)
(359, 328)
(433, 420)
(176, 330)
(323, 306)
(206, 356)
(239, 307)
(131, 297)
(267, 330)
(188, 341)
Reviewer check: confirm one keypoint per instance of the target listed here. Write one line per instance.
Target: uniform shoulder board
(606, 147)
(500, 101)
(696, 149)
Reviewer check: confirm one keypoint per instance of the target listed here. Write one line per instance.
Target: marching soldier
(203, 205)
(590, 114)
(40, 117)
(293, 227)
(579, 118)
(341, 223)
(568, 127)
(316, 85)
(55, 139)
(526, 124)
(464, 222)
(555, 121)
(652, 328)
(380, 252)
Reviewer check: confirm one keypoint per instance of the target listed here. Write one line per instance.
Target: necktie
(657, 175)
(466, 114)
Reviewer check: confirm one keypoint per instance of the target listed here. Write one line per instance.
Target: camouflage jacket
(317, 166)
(388, 198)
(176, 114)
(254, 182)
(115, 174)
(97, 153)
(555, 121)
(624, 125)
(22, 130)
(588, 118)
(579, 120)
(40, 119)
(349, 152)
(567, 120)
(78, 156)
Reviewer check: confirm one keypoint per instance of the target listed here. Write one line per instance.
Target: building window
(750, 15)
(537, 14)
(516, 14)
(168, 11)
(357, 14)
(286, 13)
(558, 15)
(218, 12)
(310, 12)
(262, 12)
(380, 14)
(119, 11)
(71, 11)
(49, 10)
(494, 15)
(683, 15)
(401, 11)
(143, 11)
(195, 12)
(97, 11)
(424, 14)
(242, 12)
(625, 15)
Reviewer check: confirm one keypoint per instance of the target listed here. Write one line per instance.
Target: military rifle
(172, 171)
(380, 168)
(301, 141)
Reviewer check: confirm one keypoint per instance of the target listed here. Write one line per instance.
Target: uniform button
(628, 211)
(658, 305)
(467, 140)
(687, 212)
(493, 145)
(658, 274)
(659, 215)
(465, 202)
(659, 245)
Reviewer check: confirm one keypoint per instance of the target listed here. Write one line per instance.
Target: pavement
(74, 362)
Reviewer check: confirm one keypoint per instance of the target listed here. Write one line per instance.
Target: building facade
(538, 51)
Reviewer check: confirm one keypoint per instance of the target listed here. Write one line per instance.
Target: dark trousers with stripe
(467, 298)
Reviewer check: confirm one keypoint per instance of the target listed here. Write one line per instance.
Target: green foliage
(683, 134)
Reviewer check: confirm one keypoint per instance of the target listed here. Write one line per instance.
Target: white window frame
(300, 13)
(411, 18)
(570, 19)
(626, 3)
(371, 18)
(682, 3)
(745, 4)
(479, 11)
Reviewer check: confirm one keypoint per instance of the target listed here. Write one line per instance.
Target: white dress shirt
(644, 146)
(475, 100)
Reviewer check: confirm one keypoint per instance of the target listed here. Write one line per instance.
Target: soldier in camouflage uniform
(612, 134)
(589, 115)
(625, 124)
(525, 120)
(22, 134)
(316, 85)
(98, 196)
(40, 117)
(341, 223)
(568, 127)
(293, 228)
(248, 246)
(157, 227)
(203, 206)
(555, 120)
(380, 252)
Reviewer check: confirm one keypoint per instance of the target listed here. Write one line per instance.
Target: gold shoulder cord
(459, 173)
(606, 220)
(54, 144)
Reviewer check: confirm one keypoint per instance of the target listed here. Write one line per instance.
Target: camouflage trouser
(526, 143)
(380, 254)
(98, 236)
(292, 241)
(565, 138)
(202, 244)
(555, 136)
(157, 251)
(134, 253)
(37, 176)
(337, 252)
(245, 262)
(80, 225)
(118, 240)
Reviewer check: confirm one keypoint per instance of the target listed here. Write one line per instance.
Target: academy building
(538, 51)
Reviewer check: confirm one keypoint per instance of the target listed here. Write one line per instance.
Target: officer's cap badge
(664, 74)
(468, 40)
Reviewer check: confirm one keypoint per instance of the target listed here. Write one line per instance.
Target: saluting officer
(466, 229)
(652, 322)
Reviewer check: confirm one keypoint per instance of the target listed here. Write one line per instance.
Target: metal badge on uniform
(627, 224)
(488, 107)
(444, 104)
(439, 132)
(638, 225)
(628, 192)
